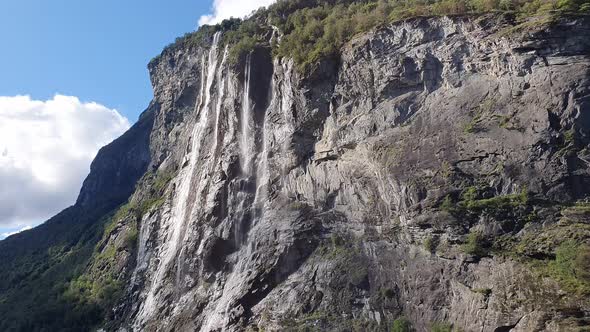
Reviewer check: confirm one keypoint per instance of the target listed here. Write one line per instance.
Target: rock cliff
(306, 200)
(433, 171)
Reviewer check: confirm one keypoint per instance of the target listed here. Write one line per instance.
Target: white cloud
(223, 9)
(45, 152)
(5, 235)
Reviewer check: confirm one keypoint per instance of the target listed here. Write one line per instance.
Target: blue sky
(96, 50)
(73, 78)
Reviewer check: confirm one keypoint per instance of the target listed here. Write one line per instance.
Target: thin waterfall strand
(181, 203)
(221, 82)
(247, 139)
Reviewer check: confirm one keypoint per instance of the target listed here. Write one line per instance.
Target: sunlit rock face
(306, 200)
(343, 198)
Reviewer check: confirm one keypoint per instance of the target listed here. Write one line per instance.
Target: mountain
(335, 166)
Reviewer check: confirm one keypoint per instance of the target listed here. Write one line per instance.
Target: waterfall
(255, 162)
(262, 171)
(262, 174)
(247, 139)
(246, 142)
(215, 74)
(221, 82)
(179, 213)
(285, 90)
(182, 203)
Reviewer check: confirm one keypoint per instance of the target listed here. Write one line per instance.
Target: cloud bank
(7, 234)
(223, 9)
(45, 152)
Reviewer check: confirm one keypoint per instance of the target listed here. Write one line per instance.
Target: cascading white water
(246, 156)
(221, 82)
(257, 172)
(281, 98)
(197, 185)
(182, 205)
(262, 173)
(286, 103)
(247, 138)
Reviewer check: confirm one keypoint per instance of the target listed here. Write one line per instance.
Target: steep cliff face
(428, 173)
(437, 171)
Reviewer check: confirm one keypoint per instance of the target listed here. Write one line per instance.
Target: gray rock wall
(305, 201)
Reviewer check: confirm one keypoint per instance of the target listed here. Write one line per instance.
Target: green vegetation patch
(486, 292)
(197, 38)
(244, 37)
(543, 243)
(579, 212)
(560, 251)
(470, 205)
(476, 244)
(441, 327)
(313, 30)
(316, 29)
(570, 268)
(51, 278)
(430, 244)
(401, 324)
(81, 282)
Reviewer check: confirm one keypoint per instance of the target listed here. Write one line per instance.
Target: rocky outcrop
(338, 199)
(429, 172)
(118, 166)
